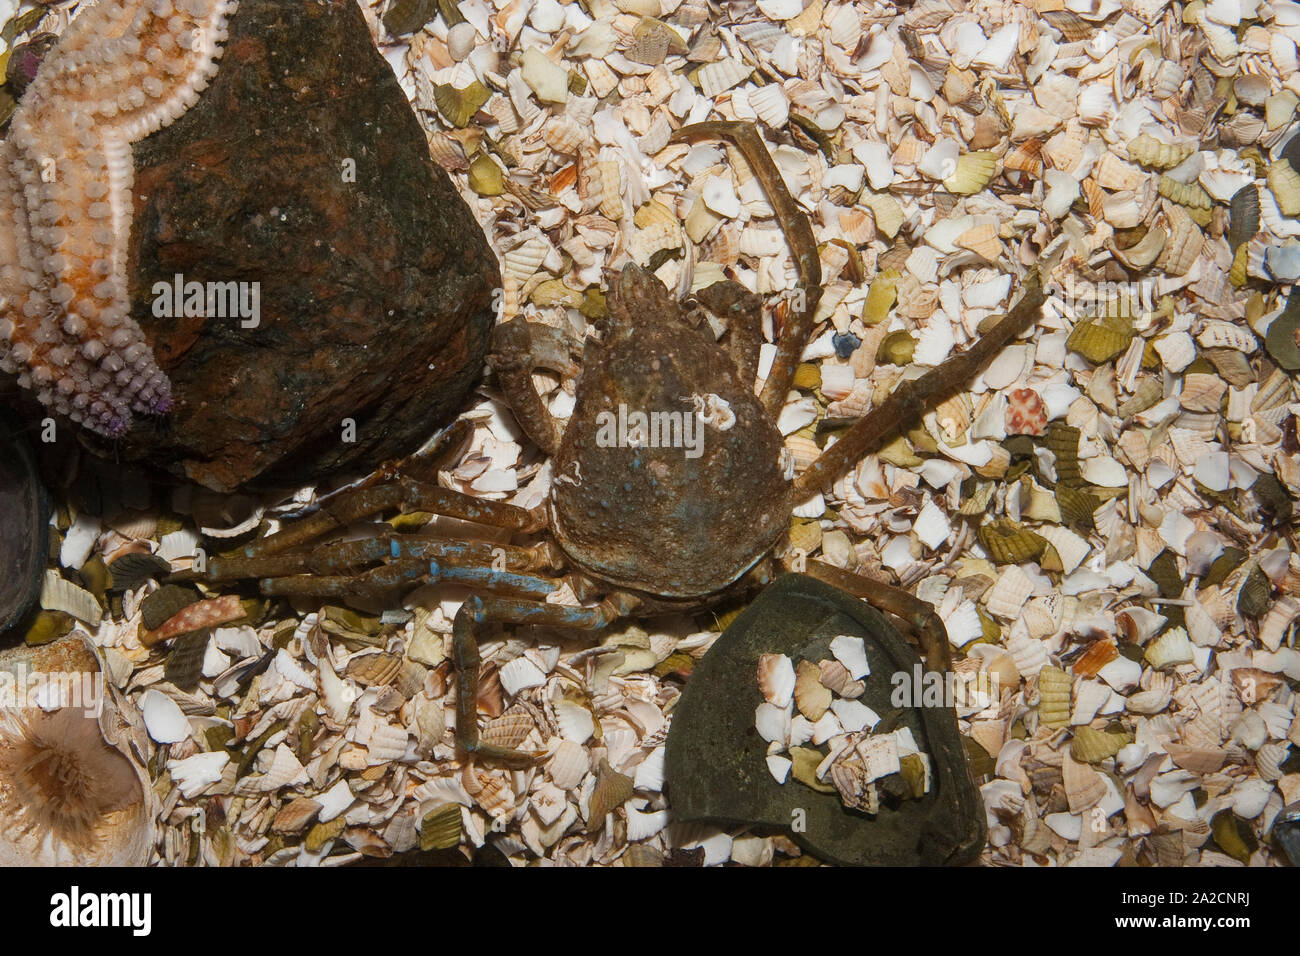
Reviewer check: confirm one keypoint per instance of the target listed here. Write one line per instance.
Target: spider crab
(635, 528)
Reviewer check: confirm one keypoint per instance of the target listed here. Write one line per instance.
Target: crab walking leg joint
(634, 528)
(798, 233)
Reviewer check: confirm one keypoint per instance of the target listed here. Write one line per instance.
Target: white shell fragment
(852, 653)
(163, 718)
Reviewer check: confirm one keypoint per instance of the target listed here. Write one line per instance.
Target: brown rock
(375, 294)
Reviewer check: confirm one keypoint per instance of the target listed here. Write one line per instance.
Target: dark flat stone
(716, 767)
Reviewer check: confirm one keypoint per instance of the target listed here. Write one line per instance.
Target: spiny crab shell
(636, 526)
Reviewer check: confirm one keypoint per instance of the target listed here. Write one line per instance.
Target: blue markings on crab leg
(342, 557)
(408, 573)
(490, 580)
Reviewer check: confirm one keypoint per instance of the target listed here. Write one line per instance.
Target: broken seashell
(776, 679)
(811, 696)
(1155, 154)
(972, 173)
(1053, 696)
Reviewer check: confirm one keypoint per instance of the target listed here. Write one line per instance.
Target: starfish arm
(122, 70)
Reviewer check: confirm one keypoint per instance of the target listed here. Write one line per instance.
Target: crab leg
(518, 348)
(402, 494)
(407, 574)
(911, 399)
(474, 616)
(916, 615)
(389, 547)
(794, 223)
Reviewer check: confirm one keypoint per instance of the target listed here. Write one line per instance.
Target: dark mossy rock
(375, 294)
(24, 525)
(716, 768)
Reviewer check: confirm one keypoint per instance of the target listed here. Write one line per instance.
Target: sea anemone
(70, 793)
(59, 779)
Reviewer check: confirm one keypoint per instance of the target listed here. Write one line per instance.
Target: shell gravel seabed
(1102, 518)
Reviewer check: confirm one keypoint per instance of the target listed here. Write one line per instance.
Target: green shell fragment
(1054, 687)
(219, 737)
(184, 665)
(922, 441)
(982, 763)
(451, 14)
(1063, 442)
(1224, 565)
(912, 769)
(1164, 572)
(1051, 559)
(48, 626)
(896, 348)
(641, 855)
(1233, 836)
(1281, 338)
(408, 16)
(1077, 507)
(1252, 601)
(1093, 746)
(1101, 339)
(1148, 393)
(346, 623)
(248, 754)
(807, 377)
(990, 630)
(21, 24)
(674, 664)
(1243, 221)
(132, 570)
(1010, 542)
(1272, 497)
(322, 833)
(459, 106)
(1284, 182)
(899, 454)
(485, 177)
(881, 297)
(1237, 274)
(554, 292)
(308, 726)
(94, 575)
(441, 827)
(165, 603)
(973, 172)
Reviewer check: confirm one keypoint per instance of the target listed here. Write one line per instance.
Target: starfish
(122, 70)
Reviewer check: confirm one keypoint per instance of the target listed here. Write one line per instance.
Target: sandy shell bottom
(1103, 519)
